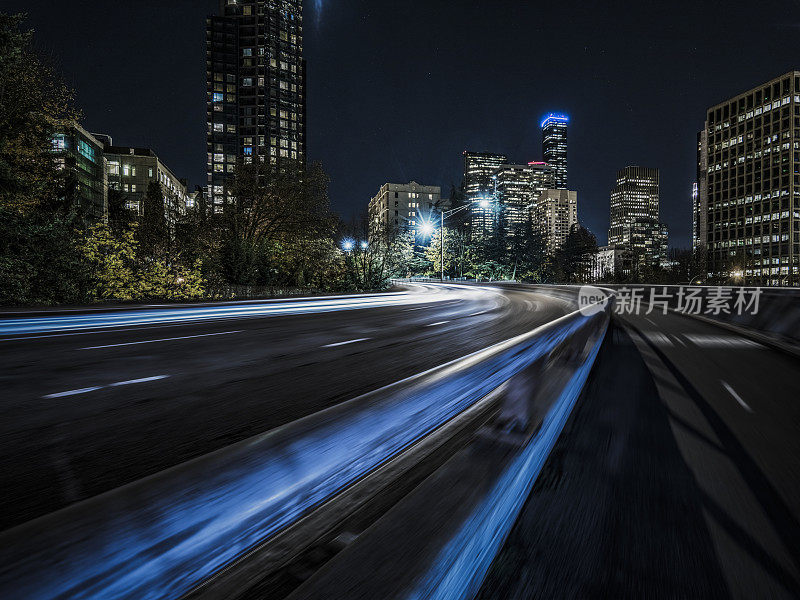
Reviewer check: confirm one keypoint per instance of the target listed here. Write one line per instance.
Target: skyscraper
(749, 184)
(518, 188)
(554, 146)
(479, 189)
(635, 196)
(255, 83)
(555, 214)
(635, 226)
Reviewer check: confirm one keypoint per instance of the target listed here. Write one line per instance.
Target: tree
(34, 105)
(528, 253)
(40, 260)
(572, 262)
(152, 233)
(272, 207)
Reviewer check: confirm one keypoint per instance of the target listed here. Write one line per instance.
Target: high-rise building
(255, 80)
(518, 187)
(402, 207)
(697, 227)
(554, 146)
(635, 196)
(555, 213)
(132, 170)
(80, 155)
(749, 184)
(479, 189)
(635, 226)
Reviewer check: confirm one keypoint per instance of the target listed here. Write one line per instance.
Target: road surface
(88, 410)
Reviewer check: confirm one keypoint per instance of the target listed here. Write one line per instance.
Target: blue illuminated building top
(554, 117)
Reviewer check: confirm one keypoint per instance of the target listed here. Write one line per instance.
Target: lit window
(218, 96)
(126, 170)
(113, 168)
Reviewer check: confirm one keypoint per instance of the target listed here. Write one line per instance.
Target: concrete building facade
(402, 207)
(749, 185)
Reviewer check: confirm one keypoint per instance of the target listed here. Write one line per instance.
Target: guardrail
(162, 536)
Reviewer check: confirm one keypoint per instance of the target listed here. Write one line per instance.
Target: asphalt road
(678, 475)
(86, 411)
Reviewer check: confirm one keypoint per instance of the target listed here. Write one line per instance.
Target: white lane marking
(72, 392)
(480, 312)
(736, 396)
(437, 323)
(679, 340)
(345, 343)
(142, 380)
(716, 341)
(653, 323)
(418, 308)
(100, 387)
(183, 337)
(658, 338)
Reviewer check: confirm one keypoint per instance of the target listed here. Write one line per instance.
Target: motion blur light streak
(162, 536)
(231, 311)
(461, 567)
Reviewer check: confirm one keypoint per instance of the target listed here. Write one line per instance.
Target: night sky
(398, 90)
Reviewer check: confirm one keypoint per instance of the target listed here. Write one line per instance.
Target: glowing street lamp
(427, 228)
(364, 245)
(348, 245)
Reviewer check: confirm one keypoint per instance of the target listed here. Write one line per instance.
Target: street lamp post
(443, 214)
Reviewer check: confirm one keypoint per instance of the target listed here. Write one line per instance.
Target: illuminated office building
(79, 154)
(518, 188)
(255, 79)
(635, 196)
(555, 213)
(479, 190)
(635, 225)
(554, 146)
(749, 184)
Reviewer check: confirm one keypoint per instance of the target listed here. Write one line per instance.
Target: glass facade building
(80, 155)
(255, 85)
(479, 189)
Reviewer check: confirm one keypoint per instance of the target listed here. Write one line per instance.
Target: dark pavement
(678, 475)
(165, 401)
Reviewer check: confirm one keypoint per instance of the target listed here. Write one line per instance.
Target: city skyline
(618, 116)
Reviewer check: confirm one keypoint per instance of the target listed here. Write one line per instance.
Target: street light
(426, 228)
(364, 245)
(443, 214)
(348, 245)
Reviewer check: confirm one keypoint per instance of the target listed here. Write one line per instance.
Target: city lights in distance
(554, 118)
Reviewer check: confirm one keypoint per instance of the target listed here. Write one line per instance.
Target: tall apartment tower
(255, 83)
(634, 196)
(554, 146)
(479, 189)
(555, 214)
(749, 184)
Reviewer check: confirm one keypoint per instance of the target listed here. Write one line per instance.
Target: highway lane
(90, 410)
(678, 476)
